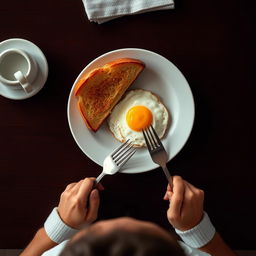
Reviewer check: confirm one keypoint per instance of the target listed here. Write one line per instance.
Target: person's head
(123, 237)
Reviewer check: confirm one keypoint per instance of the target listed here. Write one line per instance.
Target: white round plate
(37, 54)
(159, 76)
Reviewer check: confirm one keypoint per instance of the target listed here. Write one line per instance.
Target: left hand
(73, 206)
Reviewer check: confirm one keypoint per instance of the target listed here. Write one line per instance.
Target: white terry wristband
(56, 229)
(199, 235)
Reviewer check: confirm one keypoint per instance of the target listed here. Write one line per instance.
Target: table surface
(214, 47)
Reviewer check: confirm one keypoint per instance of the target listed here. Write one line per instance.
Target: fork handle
(98, 179)
(168, 175)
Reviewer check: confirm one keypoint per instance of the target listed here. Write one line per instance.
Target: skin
(73, 210)
(79, 205)
(185, 204)
(73, 206)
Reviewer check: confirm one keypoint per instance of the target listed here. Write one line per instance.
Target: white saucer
(38, 56)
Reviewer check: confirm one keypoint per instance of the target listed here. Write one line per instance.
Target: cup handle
(23, 81)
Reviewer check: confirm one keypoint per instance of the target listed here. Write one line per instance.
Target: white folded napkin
(101, 11)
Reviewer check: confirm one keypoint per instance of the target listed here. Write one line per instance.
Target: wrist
(56, 229)
(199, 235)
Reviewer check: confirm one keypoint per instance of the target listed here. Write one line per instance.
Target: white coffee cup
(18, 70)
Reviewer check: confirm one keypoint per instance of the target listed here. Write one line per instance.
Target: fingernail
(95, 194)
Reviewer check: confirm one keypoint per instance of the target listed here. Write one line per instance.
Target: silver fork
(157, 151)
(113, 162)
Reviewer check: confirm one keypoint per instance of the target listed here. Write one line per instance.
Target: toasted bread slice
(100, 90)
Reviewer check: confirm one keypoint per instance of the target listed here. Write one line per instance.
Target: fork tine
(127, 157)
(123, 146)
(156, 136)
(145, 134)
(153, 137)
(150, 138)
(123, 152)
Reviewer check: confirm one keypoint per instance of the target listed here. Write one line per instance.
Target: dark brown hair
(123, 243)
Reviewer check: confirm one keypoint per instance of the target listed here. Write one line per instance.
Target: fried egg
(135, 112)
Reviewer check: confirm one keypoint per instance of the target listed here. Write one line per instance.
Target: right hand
(186, 204)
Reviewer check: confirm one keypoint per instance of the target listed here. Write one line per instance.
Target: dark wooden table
(212, 43)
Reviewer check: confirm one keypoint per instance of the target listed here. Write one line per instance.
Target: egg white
(138, 97)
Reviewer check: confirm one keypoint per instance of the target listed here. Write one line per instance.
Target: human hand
(73, 206)
(186, 204)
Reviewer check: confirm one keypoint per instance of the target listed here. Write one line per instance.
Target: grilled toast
(101, 89)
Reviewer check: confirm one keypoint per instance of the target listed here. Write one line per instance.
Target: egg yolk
(138, 118)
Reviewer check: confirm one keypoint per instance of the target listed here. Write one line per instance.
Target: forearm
(39, 244)
(217, 247)
(205, 238)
